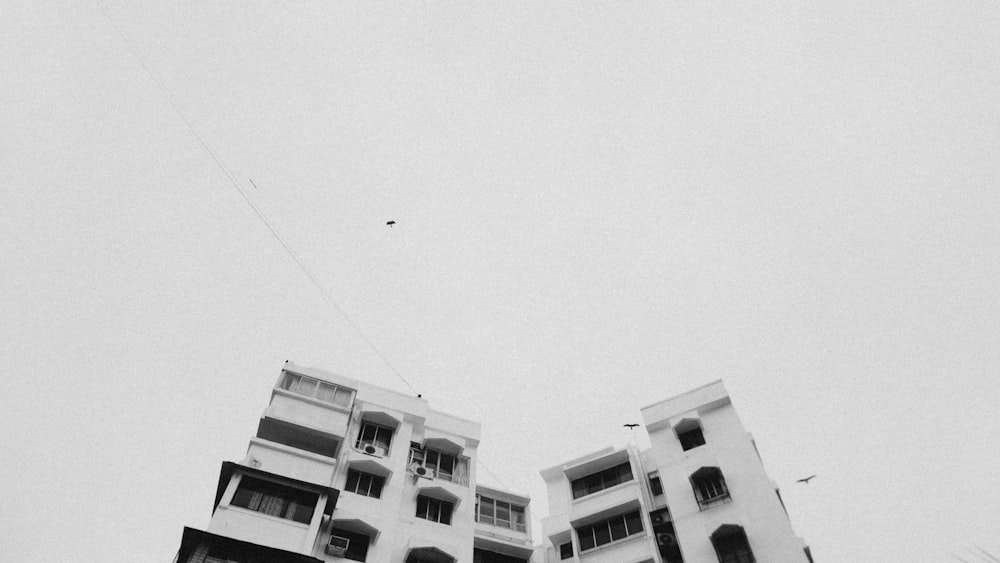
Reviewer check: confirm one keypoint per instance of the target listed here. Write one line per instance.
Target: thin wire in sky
(253, 205)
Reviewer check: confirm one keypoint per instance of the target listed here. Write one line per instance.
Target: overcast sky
(598, 205)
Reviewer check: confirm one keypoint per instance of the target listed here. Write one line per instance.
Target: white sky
(598, 206)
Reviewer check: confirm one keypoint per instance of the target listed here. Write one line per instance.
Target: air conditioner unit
(337, 546)
(423, 472)
(658, 517)
(373, 450)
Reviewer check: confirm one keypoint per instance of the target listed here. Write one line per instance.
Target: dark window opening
(357, 549)
(709, 487)
(566, 550)
(601, 480)
(691, 438)
(434, 510)
(655, 486)
(731, 545)
(606, 531)
(275, 500)
(364, 484)
(483, 556)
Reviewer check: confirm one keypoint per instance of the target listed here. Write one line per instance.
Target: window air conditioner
(373, 450)
(337, 546)
(421, 471)
(659, 517)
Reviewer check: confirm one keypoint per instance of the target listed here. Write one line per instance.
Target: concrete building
(340, 469)
(699, 494)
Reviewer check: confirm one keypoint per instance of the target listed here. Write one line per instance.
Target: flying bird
(631, 425)
(806, 480)
(390, 223)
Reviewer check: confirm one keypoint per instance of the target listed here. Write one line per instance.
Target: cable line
(253, 205)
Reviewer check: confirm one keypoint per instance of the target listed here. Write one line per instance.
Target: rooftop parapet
(701, 400)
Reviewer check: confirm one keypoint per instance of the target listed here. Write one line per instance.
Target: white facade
(698, 495)
(340, 469)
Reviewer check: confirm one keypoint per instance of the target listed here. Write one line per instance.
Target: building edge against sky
(341, 469)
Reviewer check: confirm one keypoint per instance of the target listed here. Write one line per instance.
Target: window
(357, 549)
(434, 510)
(446, 466)
(298, 437)
(655, 486)
(500, 513)
(606, 531)
(372, 434)
(709, 487)
(364, 484)
(275, 500)
(321, 390)
(601, 480)
(566, 550)
(484, 556)
(731, 545)
(219, 554)
(690, 434)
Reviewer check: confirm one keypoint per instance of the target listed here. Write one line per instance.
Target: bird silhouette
(631, 425)
(390, 223)
(806, 480)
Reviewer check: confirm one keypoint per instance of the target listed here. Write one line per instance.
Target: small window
(566, 550)
(357, 549)
(690, 434)
(372, 434)
(606, 531)
(364, 484)
(655, 486)
(601, 480)
(731, 545)
(434, 510)
(274, 499)
(316, 389)
(709, 487)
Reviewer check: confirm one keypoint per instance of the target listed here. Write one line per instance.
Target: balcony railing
(494, 521)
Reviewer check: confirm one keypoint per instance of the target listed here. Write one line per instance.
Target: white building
(340, 469)
(698, 495)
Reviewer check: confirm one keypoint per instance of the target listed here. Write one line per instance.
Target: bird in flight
(631, 425)
(390, 223)
(806, 480)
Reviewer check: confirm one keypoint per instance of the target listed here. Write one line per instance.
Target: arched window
(731, 545)
(709, 487)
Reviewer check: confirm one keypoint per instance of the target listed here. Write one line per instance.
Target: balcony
(310, 412)
(281, 459)
(254, 527)
(602, 501)
(632, 548)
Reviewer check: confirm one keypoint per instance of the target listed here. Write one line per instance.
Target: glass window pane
(486, 507)
(633, 522)
(352, 481)
(376, 488)
(602, 533)
(326, 392)
(343, 397)
(618, 528)
(290, 381)
(586, 536)
(503, 514)
(306, 387)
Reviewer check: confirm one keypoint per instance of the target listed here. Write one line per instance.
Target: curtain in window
(326, 393)
(462, 471)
